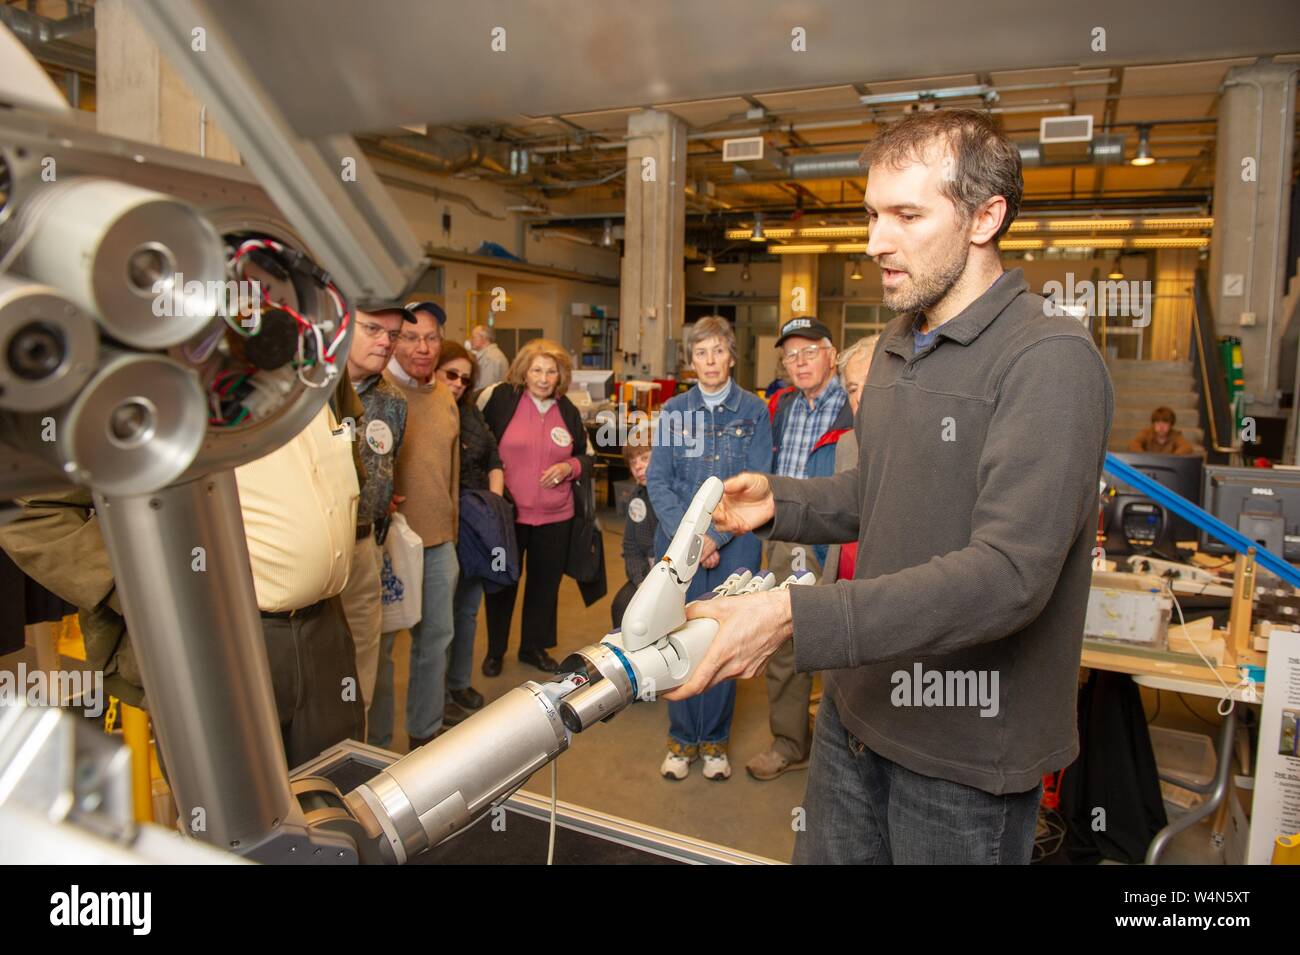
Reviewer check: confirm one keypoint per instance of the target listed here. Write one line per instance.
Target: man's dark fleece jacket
(974, 505)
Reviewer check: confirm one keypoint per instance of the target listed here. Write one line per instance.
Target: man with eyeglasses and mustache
(427, 485)
(379, 438)
(808, 419)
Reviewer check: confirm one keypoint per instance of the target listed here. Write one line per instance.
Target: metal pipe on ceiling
(1103, 150)
(45, 38)
(584, 183)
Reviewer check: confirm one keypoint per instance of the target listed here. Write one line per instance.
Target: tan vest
(428, 465)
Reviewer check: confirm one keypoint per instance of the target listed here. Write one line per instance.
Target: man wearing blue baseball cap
(433, 308)
(427, 485)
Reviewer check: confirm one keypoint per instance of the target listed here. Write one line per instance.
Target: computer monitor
(1262, 503)
(1134, 523)
(596, 382)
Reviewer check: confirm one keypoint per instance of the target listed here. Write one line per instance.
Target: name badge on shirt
(561, 437)
(379, 436)
(636, 510)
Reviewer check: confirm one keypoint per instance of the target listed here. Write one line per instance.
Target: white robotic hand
(445, 785)
(657, 649)
(659, 604)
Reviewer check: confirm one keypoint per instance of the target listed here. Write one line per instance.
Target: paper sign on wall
(1276, 810)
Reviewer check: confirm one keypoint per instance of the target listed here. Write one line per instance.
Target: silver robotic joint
(609, 686)
(446, 784)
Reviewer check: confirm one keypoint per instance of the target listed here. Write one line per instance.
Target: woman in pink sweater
(542, 444)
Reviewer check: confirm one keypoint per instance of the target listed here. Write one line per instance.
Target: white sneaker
(716, 767)
(675, 767)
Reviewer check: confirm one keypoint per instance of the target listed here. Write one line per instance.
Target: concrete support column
(1170, 332)
(1251, 183)
(140, 96)
(799, 287)
(652, 300)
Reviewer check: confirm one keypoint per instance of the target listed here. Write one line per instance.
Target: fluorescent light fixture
(804, 249)
(1176, 224)
(1087, 242)
(1089, 225)
(1170, 242)
(834, 232)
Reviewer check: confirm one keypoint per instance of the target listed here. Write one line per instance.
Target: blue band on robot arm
(636, 693)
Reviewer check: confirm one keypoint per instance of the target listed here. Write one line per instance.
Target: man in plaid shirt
(808, 419)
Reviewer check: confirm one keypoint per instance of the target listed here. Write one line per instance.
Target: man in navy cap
(433, 308)
(427, 483)
(807, 419)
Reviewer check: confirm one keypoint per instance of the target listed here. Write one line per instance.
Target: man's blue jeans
(863, 809)
(426, 690)
(469, 596)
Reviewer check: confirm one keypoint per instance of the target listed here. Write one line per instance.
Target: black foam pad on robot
(275, 343)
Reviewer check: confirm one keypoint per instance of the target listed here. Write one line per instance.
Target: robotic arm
(445, 785)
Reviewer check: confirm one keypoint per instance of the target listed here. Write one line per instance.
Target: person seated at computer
(1162, 437)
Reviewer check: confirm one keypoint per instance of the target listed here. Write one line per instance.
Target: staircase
(1143, 386)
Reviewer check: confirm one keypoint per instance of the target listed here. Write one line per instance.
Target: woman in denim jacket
(717, 429)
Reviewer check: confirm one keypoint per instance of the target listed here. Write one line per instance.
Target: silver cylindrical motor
(610, 686)
(48, 346)
(136, 427)
(445, 785)
(147, 266)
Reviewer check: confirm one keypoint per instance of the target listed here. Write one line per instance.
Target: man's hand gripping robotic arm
(445, 785)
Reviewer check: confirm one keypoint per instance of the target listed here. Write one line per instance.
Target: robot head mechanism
(140, 346)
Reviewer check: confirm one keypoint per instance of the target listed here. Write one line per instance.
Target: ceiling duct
(1103, 150)
(446, 152)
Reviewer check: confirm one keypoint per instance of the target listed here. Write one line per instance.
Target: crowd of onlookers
(437, 432)
(520, 439)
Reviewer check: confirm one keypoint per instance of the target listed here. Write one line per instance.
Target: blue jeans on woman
(707, 718)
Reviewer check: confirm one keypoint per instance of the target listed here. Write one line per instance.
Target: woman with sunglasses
(480, 470)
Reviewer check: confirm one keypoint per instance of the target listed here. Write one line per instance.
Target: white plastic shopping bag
(402, 577)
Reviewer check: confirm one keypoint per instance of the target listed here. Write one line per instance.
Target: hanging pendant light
(1143, 157)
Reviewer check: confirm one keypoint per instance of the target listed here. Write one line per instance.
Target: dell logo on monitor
(1262, 490)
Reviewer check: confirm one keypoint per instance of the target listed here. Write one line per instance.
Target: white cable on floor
(550, 848)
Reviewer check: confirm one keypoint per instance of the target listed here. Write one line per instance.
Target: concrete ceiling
(341, 66)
